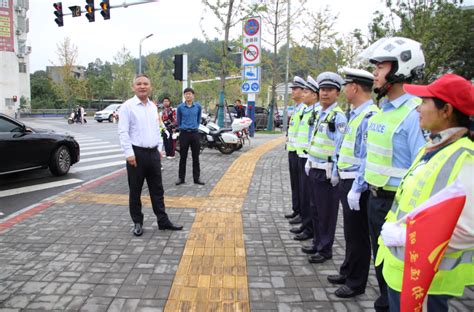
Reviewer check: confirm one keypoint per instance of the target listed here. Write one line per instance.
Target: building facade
(14, 57)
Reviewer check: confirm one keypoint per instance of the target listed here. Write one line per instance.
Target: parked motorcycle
(240, 127)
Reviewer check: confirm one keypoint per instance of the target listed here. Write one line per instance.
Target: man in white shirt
(140, 139)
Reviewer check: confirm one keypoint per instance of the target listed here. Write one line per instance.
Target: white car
(107, 113)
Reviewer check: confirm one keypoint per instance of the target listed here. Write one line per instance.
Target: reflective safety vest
(302, 137)
(423, 180)
(293, 128)
(346, 157)
(322, 147)
(381, 128)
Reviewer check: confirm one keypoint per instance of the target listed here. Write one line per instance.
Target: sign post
(251, 55)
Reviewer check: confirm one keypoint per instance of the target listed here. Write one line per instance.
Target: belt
(345, 175)
(145, 149)
(379, 192)
(316, 165)
(189, 130)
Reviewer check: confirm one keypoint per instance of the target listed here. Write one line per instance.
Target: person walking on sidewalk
(168, 116)
(297, 89)
(394, 136)
(140, 139)
(189, 117)
(354, 271)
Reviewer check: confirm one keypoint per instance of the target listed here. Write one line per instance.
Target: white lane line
(104, 147)
(94, 143)
(37, 187)
(88, 140)
(101, 158)
(104, 165)
(101, 152)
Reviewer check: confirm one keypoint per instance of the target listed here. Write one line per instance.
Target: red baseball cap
(451, 88)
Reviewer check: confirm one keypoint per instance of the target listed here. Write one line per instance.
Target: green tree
(123, 71)
(42, 92)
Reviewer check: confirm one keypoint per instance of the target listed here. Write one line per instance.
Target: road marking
(94, 143)
(37, 187)
(88, 148)
(89, 140)
(101, 152)
(101, 158)
(99, 166)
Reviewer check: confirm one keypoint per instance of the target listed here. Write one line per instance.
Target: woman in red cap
(447, 106)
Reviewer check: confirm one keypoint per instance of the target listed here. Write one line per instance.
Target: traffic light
(105, 9)
(178, 67)
(58, 6)
(90, 10)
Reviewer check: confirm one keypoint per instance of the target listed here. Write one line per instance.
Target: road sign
(251, 73)
(245, 87)
(251, 27)
(255, 87)
(251, 53)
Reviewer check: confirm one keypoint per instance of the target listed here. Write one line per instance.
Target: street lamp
(140, 54)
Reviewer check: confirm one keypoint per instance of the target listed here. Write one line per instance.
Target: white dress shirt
(138, 125)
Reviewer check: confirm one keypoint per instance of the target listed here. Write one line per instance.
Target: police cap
(298, 82)
(330, 80)
(312, 85)
(358, 76)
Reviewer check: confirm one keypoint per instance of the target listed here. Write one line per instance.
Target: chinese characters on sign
(6, 26)
(251, 55)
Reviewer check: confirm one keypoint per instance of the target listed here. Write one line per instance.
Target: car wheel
(99, 120)
(111, 118)
(60, 161)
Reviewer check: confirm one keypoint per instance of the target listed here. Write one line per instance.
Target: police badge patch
(342, 127)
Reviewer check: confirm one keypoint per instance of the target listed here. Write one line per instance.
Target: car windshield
(111, 107)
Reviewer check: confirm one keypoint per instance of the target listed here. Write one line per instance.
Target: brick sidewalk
(76, 252)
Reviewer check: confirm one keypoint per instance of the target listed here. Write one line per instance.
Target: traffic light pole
(123, 5)
(185, 74)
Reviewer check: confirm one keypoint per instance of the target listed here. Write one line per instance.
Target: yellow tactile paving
(212, 273)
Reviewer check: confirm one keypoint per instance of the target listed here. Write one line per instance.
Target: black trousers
(378, 207)
(169, 143)
(187, 139)
(326, 202)
(356, 234)
(293, 162)
(148, 168)
(304, 197)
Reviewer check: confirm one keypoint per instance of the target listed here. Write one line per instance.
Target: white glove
(393, 235)
(334, 180)
(307, 168)
(353, 200)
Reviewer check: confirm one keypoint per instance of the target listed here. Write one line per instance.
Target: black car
(23, 148)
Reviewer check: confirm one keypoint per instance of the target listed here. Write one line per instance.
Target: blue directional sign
(245, 87)
(255, 87)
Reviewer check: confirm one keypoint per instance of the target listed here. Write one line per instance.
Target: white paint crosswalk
(38, 187)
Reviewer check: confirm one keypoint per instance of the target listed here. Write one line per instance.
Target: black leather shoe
(337, 279)
(296, 220)
(347, 292)
(199, 182)
(381, 304)
(309, 250)
(291, 215)
(179, 182)
(302, 236)
(137, 229)
(317, 258)
(296, 230)
(170, 226)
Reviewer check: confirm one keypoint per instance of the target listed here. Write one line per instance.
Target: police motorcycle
(212, 136)
(240, 127)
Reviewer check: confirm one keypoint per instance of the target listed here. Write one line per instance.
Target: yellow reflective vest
(293, 128)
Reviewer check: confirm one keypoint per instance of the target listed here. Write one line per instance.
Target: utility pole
(287, 72)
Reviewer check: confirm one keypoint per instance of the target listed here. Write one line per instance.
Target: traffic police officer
(354, 270)
(311, 96)
(394, 136)
(297, 89)
(330, 124)
(306, 229)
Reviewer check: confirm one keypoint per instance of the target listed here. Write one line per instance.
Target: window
(7, 126)
(22, 67)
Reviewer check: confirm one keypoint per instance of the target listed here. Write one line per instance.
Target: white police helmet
(330, 80)
(406, 55)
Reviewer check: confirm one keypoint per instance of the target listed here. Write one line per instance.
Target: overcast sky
(173, 22)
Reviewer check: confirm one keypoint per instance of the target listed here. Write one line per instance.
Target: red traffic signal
(90, 10)
(105, 6)
(58, 6)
